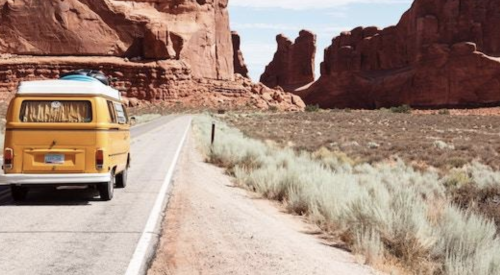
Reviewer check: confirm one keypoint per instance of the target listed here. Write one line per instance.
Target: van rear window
(53, 111)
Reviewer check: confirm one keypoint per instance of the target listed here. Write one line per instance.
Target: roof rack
(83, 74)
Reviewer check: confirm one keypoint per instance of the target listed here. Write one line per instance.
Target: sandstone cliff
(440, 54)
(192, 30)
(293, 63)
(239, 62)
(161, 51)
(165, 83)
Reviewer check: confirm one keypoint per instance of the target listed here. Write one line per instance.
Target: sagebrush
(382, 211)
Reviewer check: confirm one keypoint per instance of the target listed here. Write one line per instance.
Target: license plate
(54, 159)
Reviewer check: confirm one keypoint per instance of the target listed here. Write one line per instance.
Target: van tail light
(99, 159)
(8, 156)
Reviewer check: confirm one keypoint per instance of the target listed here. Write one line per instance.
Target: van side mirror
(133, 121)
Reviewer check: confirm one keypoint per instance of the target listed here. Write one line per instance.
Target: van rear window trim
(56, 122)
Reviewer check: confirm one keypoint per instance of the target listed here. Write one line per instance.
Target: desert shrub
(444, 112)
(369, 244)
(467, 244)
(373, 145)
(439, 144)
(383, 210)
(335, 160)
(403, 109)
(313, 108)
(273, 108)
(456, 162)
(456, 179)
(475, 187)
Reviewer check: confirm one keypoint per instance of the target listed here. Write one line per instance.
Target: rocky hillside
(159, 50)
(440, 54)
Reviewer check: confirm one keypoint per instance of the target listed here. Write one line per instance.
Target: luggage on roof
(83, 74)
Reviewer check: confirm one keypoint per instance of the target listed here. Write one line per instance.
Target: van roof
(87, 86)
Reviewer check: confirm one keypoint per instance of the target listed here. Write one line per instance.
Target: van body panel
(68, 161)
(73, 146)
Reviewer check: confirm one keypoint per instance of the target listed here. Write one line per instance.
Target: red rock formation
(293, 63)
(440, 54)
(168, 83)
(239, 62)
(171, 52)
(195, 31)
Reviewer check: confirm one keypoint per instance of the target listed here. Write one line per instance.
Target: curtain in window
(56, 111)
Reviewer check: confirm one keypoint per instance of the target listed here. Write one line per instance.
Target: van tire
(19, 193)
(121, 179)
(106, 189)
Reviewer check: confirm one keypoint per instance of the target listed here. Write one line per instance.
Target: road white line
(138, 264)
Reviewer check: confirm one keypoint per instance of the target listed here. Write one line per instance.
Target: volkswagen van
(70, 131)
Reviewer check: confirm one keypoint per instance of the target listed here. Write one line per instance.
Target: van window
(120, 113)
(112, 113)
(54, 111)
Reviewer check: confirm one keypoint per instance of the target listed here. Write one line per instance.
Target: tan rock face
(239, 62)
(196, 31)
(293, 63)
(440, 54)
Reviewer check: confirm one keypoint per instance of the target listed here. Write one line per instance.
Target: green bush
(313, 108)
(403, 109)
(273, 108)
(444, 112)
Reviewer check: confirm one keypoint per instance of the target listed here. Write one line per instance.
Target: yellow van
(71, 131)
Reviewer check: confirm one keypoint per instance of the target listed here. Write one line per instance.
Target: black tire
(19, 193)
(107, 189)
(121, 179)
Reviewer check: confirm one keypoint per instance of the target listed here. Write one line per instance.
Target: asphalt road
(73, 232)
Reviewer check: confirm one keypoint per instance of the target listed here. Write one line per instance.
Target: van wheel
(19, 193)
(106, 189)
(121, 179)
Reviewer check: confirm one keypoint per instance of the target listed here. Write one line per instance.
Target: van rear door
(53, 140)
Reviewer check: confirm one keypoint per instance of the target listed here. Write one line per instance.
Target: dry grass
(386, 211)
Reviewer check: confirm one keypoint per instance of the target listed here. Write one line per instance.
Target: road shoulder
(211, 227)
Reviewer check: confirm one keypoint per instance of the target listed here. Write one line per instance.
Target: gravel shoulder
(212, 227)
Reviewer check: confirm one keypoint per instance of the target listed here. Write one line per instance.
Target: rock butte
(160, 50)
(239, 62)
(440, 54)
(293, 63)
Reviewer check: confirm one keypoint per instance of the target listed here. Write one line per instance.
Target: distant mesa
(440, 54)
(293, 64)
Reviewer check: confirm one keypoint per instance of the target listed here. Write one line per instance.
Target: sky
(259, 21)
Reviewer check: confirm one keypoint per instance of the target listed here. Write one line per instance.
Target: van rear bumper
(52, 179)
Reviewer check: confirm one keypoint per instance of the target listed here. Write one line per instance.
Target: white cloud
(337, 14)
(307, 4)
(259, 53)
